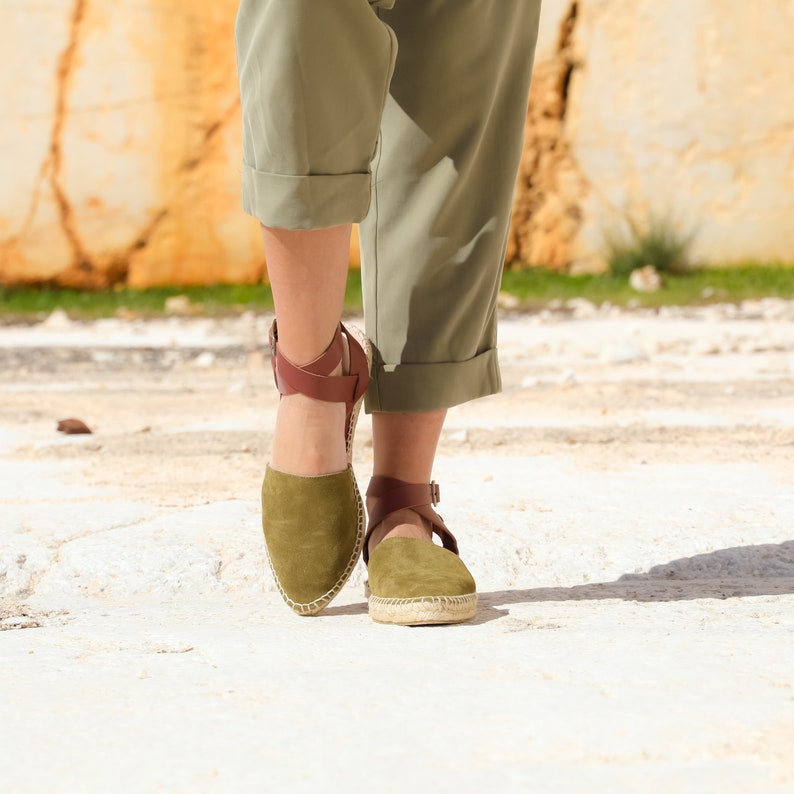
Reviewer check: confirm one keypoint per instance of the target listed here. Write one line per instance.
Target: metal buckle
(435, 493)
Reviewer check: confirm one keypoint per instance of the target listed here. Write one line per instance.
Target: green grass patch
(535, 288)
(219, 300)
(661, 245)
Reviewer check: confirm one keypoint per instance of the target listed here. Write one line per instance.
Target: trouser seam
(375, 172)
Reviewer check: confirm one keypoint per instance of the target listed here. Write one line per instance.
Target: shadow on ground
(739, 572)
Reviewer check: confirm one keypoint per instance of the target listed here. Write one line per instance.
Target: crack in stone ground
(16, 617)
(58, 546)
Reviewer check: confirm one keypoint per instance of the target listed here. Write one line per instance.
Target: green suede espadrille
(314, 529)
(413, 582)
(314, 526)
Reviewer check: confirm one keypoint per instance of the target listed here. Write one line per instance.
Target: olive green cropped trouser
(406, 116)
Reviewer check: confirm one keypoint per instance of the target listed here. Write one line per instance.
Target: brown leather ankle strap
(391, 495)
(314, 379)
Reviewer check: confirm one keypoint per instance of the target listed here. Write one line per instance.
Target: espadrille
(413, 582)
(314, 526)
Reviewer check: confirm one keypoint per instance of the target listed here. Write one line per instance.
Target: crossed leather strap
(392, 495)
(314, 379)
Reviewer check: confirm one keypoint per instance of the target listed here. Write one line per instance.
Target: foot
(400, 524)
(414, 582)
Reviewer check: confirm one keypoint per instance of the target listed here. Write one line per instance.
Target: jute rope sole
(423, 611)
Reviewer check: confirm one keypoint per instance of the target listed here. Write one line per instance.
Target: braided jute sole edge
(317, 606)
(423, 611)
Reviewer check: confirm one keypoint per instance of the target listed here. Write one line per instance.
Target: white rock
(622, 353)
(774, 308)
(204, 360)
(567, 378)
(529, 382)
(58, 320)
(751, 308)
(508, 301)
(704, 347)
(581, 308)
(753, 346)
(645, 279)
(652, 347)
(177, 304)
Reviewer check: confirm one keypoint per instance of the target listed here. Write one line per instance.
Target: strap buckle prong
(435, 493)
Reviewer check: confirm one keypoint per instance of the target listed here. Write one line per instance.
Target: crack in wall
(118, 270)
(83, 262)
(117, 267)
(113, 268)
(8, 245)
(50, 170)
(546, 212)
(66, 65)
(209, 134)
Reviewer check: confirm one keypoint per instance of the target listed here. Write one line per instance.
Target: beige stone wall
(641, 108)
(120, 136)
(120, 140)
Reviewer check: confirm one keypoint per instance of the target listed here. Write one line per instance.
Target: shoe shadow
(739, 572)
(347, 609)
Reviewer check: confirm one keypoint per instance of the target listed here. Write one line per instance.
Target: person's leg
(308, 438)
(404, 447)
(433, 243)
(313, 81)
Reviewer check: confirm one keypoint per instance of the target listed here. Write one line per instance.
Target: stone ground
(627, 507)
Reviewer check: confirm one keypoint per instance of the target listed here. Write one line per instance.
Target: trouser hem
(416, 388)
(317, 201)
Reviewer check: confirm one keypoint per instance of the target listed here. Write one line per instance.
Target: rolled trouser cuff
(414, 388)
(317, 201)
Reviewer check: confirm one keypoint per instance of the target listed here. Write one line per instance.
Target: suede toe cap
(410, 568)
